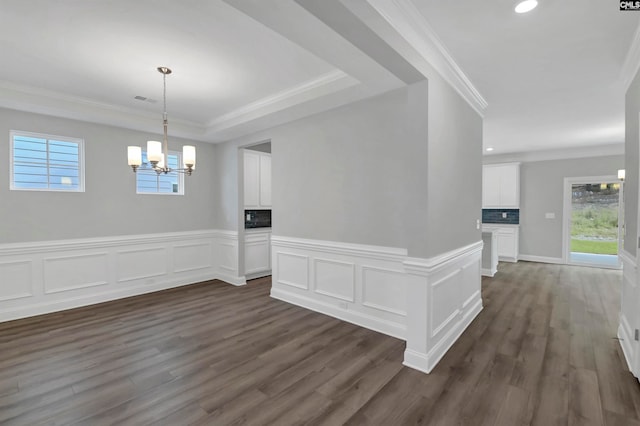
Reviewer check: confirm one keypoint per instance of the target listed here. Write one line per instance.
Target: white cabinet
(501, 186)
(257, 253)
(507, 239)
(257, 180)
(265, 180)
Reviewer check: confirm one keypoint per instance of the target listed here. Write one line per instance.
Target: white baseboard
(255, 275)
(48, 276)
(230, 279)
(542, 259)
(367, 321)
(426, 362)
(488, 272)
(50, 306)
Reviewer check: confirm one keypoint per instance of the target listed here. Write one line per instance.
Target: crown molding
(48, 102)
(409, 23)
(631, 63)
(556, 154)
(324, 84)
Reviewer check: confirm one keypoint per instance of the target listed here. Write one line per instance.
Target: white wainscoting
(360, 284)
(427, 302)
(48, 276)
(629, 316)
(227, 252)
(445, 296)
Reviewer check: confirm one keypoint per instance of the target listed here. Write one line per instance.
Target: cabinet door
(508, 244)
(257, 256)
(505, 244)
(251, 180)
(490, 186)
(265, 181)
(510, 186)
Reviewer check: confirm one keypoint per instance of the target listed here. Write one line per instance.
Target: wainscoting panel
(444, 313)
(384, 290)
(293, 268)
(48, 276)
(75, 271)
(335, 279)
(356, 283)
(17, 279)
(191, 257)
(629, 316)
(444, 297)
(142, 264)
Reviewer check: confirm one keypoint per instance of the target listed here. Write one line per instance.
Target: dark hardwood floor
(542, 352)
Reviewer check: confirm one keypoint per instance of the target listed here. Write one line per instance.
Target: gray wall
(631, 165)
(359, 173)
(541, 191)
(455, 170)
(340, 175)
(109, 206)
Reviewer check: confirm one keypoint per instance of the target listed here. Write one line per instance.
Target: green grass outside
(599, 221)
(591, 246)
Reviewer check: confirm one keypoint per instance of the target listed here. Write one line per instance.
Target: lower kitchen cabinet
(257, 253)
(508, 241)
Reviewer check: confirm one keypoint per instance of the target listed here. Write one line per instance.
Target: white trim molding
(48, 276)
(415, 32)
(541, 259)
(324, 84)
(629, 316)
(631, 63)
(427, 302)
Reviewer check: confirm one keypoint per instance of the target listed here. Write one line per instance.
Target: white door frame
(566, 211)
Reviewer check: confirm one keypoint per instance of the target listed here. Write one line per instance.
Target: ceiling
(545, 80)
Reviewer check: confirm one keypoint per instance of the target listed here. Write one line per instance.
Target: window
(46, 163)
(150, 182)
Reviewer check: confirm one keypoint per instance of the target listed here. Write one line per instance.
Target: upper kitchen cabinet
(501, 186)
(257, 180)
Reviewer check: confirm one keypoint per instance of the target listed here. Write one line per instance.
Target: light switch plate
(549, 215)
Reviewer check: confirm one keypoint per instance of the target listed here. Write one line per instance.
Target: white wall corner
(415, 32)
(631, 63)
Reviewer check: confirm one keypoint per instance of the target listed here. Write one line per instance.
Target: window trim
(181, 180)
(48, 137)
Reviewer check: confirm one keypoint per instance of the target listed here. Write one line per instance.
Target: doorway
(592, 214)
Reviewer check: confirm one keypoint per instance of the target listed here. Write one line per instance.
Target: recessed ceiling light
(489, 149)
(526, 6)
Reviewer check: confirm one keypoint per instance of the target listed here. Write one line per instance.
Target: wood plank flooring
(542, 352)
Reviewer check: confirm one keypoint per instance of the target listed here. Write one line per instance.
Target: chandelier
(157, 152)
